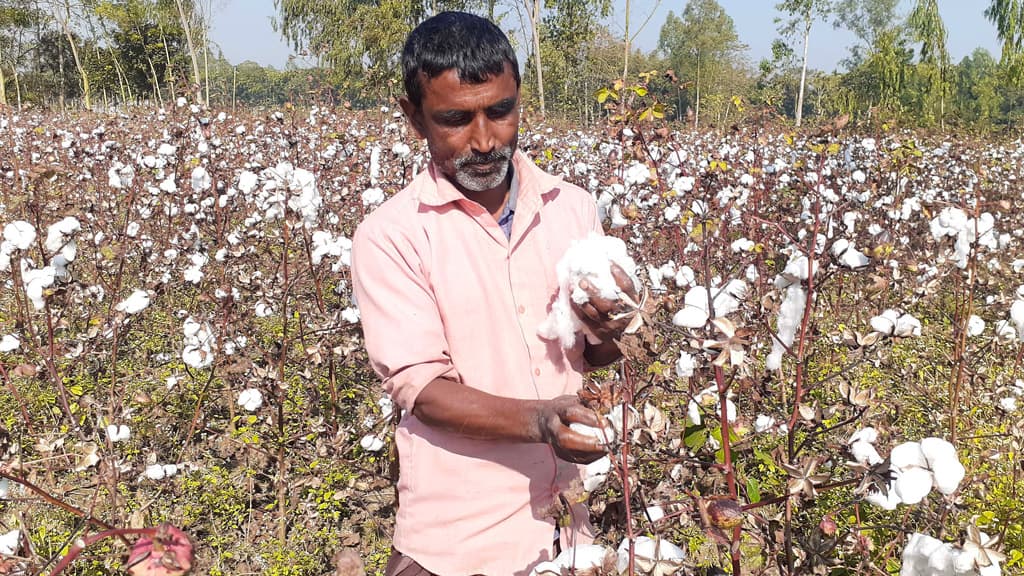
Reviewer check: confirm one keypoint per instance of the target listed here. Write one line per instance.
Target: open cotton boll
(371, 443)
(888, 501)
(605, 435)
(847, 255)
(655, 557)
(907, 326)
(1017, 317)
(908, 455)
(791, 314)
(864, 453)
(595, 473)
(913, 484)
(10, 543)
(885, 323)
(944, 463)
(589, 259)
(135, 303)
(20, 234)
(916, 553)
(9, 343)
(585, 559)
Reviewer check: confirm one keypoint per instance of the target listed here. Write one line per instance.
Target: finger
(577, 442)
(588, 314)
(624, 282)
(580, 414)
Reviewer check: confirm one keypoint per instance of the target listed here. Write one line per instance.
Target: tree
(566, 37)
(927, 28)
(1008, 17)
(360, 39)
(802, 13)
(700, 44)
(17, 18)
(978, 94)
(867, 19)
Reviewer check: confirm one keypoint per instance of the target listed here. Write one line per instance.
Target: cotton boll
(137, 302)
(887, 501)
(20, 234)
(864, 453)
(946, 468)
(655, 557)
(913, 485)
(908, 455)
(595, 473)
(10, 543)
(1008, 404)
(975, 325)
(1017, 317)
(685, 364)
(371, 443)
(907, 326)
(885, 323)
(251, 399)
(791, 313)
(118, 433)
(9, 343)
(589, 259)
(915, 555)
(763, 423)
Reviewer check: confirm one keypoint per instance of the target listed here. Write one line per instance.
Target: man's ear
(413, 114)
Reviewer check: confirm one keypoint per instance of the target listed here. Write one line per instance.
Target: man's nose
(482, 138)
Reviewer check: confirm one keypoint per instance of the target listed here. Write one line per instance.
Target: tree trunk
(625, 55)
(156, 81)
(803, 74)
(86, 99)
(535, 23)
(3, 83)
(187, 28)
(696, 110)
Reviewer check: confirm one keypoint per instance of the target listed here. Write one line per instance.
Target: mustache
(496, 155)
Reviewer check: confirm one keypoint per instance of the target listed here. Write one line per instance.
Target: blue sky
(242, 28)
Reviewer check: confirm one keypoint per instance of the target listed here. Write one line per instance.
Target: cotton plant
(589, 259)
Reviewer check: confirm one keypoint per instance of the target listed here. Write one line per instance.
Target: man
(453, 275)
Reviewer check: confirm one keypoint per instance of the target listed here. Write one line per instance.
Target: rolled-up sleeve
(402, 327)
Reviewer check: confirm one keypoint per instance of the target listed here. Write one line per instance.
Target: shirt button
(536, 371)
(522, 309)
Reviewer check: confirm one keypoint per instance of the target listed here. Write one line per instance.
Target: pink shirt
(442, 292)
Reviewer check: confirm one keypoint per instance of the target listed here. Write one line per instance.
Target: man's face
(471, 129)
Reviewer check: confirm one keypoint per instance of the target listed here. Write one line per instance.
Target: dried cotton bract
(589, 260)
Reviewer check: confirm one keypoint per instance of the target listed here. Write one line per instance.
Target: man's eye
(454, 119)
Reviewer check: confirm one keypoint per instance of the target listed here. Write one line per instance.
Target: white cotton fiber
(589, 259)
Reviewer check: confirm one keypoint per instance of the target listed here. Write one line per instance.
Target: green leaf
(696, 437)
(753, 490)
(640, 91)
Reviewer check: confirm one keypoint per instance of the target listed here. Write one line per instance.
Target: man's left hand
(606, 318)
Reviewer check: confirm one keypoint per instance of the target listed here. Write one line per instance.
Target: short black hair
(472, 45)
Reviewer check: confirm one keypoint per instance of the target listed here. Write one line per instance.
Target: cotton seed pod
(724, 513)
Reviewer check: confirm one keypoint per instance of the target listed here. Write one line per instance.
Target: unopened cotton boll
(589, 259)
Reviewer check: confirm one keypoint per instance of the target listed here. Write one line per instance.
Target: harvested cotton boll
(590, 259)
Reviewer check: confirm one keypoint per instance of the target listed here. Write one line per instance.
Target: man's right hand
(457, 408)
(553, 420)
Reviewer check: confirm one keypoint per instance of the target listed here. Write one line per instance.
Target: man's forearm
(457, 408)
(602, 354)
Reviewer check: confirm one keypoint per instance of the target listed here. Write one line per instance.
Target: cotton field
(824, 374)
